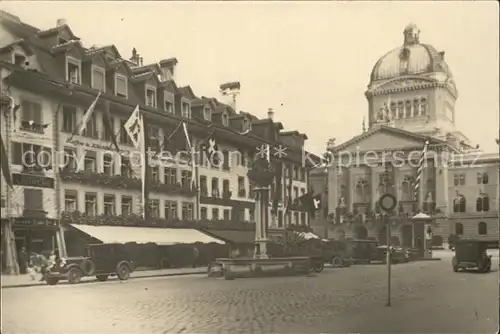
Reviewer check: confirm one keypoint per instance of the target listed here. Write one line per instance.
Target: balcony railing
(123, 182)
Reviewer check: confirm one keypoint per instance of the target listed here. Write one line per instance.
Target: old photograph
(249, 167)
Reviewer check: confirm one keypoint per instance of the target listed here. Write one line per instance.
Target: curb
(94, 281)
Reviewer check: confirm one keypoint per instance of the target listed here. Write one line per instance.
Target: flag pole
(144, 166)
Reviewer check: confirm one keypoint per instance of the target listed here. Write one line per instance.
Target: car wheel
(318, 267)
(123, 272)
(52, 281)
(454, 264)
(102, 278)
(74, 276)
(337, 262)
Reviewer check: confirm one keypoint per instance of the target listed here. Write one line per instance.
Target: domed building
(411, 109)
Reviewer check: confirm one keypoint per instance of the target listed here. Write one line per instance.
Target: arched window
(408, 109)
(459, 204)
(482, 228)
(401, 110)
(483, 203)
(459, 229)
(362, 191)
(407, 188)
(423, 107)
(416, 106)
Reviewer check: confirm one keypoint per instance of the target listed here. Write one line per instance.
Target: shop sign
(32, 222)
(31, 180)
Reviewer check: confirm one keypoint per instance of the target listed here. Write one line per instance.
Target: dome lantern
(411, 34)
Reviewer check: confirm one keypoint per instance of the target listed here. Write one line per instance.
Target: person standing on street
(196, 255)
(23, 260)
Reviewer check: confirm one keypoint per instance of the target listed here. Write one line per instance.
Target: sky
(310, 61)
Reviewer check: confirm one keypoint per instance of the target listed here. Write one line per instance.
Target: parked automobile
(103, 261)
(398, 254)
(472, 254)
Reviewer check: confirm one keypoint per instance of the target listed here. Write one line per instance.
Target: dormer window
(73, 70)
(98, 79)
(247, 125)
(151, 96)
(225, 119)
(62, 41)
(186, 110)
(207, 114)
(19, 59)
(121, 86)
(169, 107)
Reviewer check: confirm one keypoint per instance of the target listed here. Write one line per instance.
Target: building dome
(411, 58)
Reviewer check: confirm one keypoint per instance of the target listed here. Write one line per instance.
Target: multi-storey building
(92, 177)
(411, 99)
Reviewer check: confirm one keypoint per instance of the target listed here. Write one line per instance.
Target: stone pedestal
(262, 222)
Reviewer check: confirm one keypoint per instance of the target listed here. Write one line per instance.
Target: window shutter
(26, 110)
(17, 153)
(37, 113)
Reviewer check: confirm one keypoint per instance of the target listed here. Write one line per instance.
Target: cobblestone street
(427, 297)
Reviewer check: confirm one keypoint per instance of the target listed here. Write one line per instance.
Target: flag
(193, 160)
(5, 163)
(420, 167)
(277, 184)
(133, 127)
(310, 202)
(288, 198)
(90, 111)
(209, 145)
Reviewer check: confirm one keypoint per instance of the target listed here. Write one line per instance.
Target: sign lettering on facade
(29, 180)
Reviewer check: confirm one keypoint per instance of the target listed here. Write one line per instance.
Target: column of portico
(373, 188)
(350, 189)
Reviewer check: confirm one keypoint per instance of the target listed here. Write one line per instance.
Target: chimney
(60, 22)
(135, 57)
(168, 68)
(270, 114)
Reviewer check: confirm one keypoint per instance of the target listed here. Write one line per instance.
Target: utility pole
(387, 203)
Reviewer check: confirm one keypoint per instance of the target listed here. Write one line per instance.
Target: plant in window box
(32, 126)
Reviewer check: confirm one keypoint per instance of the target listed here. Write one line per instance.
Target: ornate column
(350, 189)
(262, 176)
(373, 188)
(11, 266)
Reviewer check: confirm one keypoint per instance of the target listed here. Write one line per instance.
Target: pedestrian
(23, 260)
(196, 255)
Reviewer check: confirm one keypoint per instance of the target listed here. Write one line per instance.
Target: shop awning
(232, 236)
(159, 236)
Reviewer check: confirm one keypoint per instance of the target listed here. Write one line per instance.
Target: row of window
(111, 203)
(459, 178)
(404, 109)
(482, 203)
(482, 228)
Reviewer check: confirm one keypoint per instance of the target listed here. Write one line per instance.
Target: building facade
(92, 177)
(411, 100)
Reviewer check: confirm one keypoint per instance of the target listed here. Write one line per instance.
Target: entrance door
(382, 236)
(407, 236)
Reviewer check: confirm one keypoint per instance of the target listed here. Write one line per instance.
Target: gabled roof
(389, 130)
(187, 92)
(56, 30)
(74, 44)
(21, 43)
(145, 76)
(104, 49)
(170, 86)
(147, 68)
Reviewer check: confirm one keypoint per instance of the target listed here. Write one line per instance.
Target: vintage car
(103, 260)
(398, 254)
(361, 250)
(472, 254)
(334, 253)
